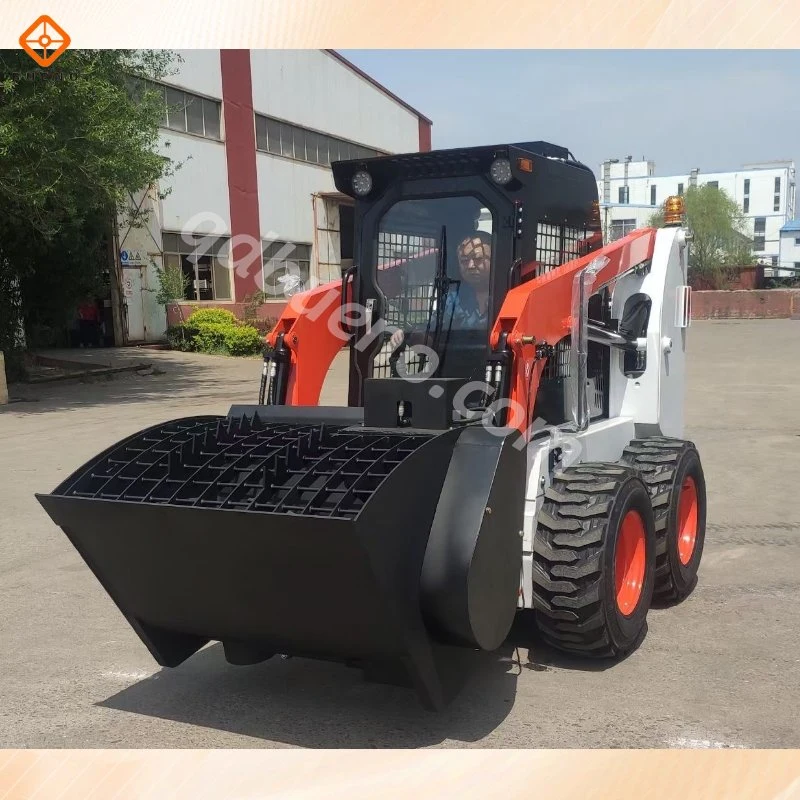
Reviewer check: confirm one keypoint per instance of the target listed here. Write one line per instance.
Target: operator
(466, 304)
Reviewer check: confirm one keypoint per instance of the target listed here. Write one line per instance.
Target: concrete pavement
(722, 669)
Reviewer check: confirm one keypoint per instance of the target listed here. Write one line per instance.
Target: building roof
(379, 86)
(792, 225)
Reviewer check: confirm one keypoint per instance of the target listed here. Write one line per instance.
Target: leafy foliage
(181, 337)
(212, 316)
(210, 336)
(74, 143)
(243, 341)
(215, 330)
(172, 285)
(719, 242)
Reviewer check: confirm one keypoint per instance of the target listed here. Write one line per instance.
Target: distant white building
(630, 192)
(790, 250)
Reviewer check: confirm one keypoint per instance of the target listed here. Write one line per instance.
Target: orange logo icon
(44, 41)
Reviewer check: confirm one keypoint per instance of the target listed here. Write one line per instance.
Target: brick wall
(738, 278)
(746, 304)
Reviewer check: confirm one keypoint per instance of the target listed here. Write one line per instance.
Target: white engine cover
(648, 405)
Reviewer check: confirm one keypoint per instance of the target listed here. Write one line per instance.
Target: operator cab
(434, 269)
(440, 238)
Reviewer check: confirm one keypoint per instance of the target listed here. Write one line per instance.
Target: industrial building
(253, 134)
(630, 192)
(789, 260)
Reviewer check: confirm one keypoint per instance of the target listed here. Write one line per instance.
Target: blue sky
(711, 109)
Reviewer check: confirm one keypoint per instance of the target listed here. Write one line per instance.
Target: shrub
(215, 337)
(210, 336)
(243, 340)
(264, 326)
(229, 336)
(213, 316)
(182, 337)
(251, 305)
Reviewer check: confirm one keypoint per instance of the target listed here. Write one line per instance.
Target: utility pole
(115, 282)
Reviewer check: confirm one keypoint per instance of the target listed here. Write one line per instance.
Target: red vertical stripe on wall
(424, 135)
(240, 151)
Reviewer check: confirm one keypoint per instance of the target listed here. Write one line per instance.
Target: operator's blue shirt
(465, 316)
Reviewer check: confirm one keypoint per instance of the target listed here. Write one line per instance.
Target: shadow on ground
(318, 704)
(180, 378)
(310, 703)
(201, 379)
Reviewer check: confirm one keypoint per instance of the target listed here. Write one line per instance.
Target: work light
(500, 171)
(362, 183)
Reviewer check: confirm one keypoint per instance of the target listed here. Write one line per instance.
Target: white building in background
(790, 250)
(255, 133)
(630, 192)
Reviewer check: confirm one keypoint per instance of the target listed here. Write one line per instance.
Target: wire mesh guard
(248, 465)
(406, 272)
(556, 245)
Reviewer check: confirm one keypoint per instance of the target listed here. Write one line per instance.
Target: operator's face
(475, 261)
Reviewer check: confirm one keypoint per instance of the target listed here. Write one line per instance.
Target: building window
(713, 184)
(621, 227)
(797, 241)
(746, 205)
(287, 268)
(680, 190)
(760, 225)
(777, 185)
(747, 185)
(189, 113)
(758, 243)
(624, 194)
(652, 195)
(203, 261)
(302, 144)
(182, 111)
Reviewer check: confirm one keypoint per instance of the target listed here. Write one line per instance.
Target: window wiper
(441, 288)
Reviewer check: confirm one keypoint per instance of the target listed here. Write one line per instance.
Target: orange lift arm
(539, 313)
(312, 331)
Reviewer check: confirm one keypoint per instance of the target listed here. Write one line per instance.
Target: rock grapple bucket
(304, 537)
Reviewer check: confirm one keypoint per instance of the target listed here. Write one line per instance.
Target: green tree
(172, 285)
(719, 241)
(75, 140)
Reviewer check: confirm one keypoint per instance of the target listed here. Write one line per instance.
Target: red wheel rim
(687, 520)
(629, 562)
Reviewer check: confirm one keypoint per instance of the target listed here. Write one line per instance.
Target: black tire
(664, 464)
(575, 547)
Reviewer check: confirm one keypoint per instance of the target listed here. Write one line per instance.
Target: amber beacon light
(674, 211)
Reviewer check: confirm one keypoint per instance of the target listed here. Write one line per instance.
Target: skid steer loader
(511, 445)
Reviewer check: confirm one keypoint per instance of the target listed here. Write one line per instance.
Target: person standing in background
(88, 323)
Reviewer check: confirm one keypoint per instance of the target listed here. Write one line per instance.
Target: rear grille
(246, 465)
(557, 365)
